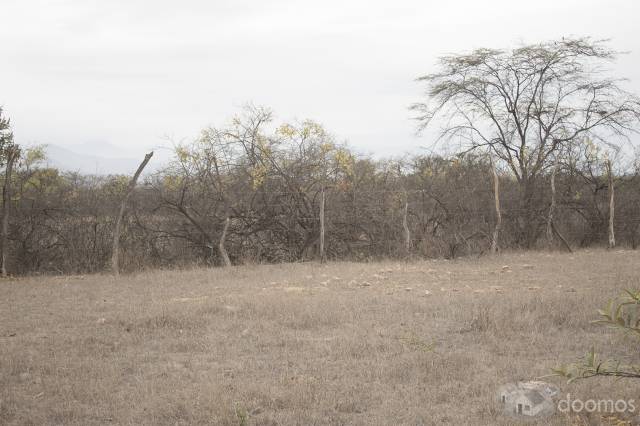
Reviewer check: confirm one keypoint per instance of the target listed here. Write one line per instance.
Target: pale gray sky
(84, 72)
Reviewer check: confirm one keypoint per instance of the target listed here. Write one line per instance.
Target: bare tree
(12, 152)
(123, 204)
(525, 104)
(9, 153)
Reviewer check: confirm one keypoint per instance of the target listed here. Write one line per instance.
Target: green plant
(416, 343)
(622, 314)
(242, 415)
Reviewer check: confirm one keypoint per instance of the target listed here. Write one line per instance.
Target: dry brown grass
(343, 343)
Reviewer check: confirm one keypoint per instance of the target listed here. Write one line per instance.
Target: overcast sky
(81, 73)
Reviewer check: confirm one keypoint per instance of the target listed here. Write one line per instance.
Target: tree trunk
(116, 234)
(6, 207)
(496, 196)
(322, 255)
(221, 249)
(563, 239)
(527, 214)
(405, 227)
(552, 207)
(612, 237)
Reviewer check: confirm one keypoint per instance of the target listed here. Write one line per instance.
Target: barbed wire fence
(273, 226)
(372, 221)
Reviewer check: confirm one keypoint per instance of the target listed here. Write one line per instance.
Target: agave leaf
(618, 311)
(634, 296)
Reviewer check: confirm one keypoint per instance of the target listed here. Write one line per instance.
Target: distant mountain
(98, 148)
(97, 163)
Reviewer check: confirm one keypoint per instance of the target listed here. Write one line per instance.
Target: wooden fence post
(612, 237)
(322, 254)
(221, 249)
(496, 197)
(552, 207)
(116, 234)
(405, 227)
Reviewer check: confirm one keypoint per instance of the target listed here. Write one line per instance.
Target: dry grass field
(307, 344)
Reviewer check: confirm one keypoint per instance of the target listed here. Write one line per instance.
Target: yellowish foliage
(287, 130)
(34, 155)
(118, 184)
(344, 161)
(182, 153)
(172, 182)
(46, 180)
(258, 175)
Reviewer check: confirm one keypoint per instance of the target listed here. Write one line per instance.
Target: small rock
(230, 308)
(427, 293)
(101, 320)
(256, 411)
(408, 289)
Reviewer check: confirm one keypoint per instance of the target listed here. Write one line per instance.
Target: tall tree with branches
(525, 104)
(9, 153)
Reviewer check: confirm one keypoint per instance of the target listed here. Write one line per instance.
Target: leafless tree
(12, 152)
(525, 104)
(9, 153)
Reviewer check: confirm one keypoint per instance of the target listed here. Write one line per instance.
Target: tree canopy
(524, 104)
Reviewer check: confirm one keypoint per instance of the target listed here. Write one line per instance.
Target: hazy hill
(94, 158)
